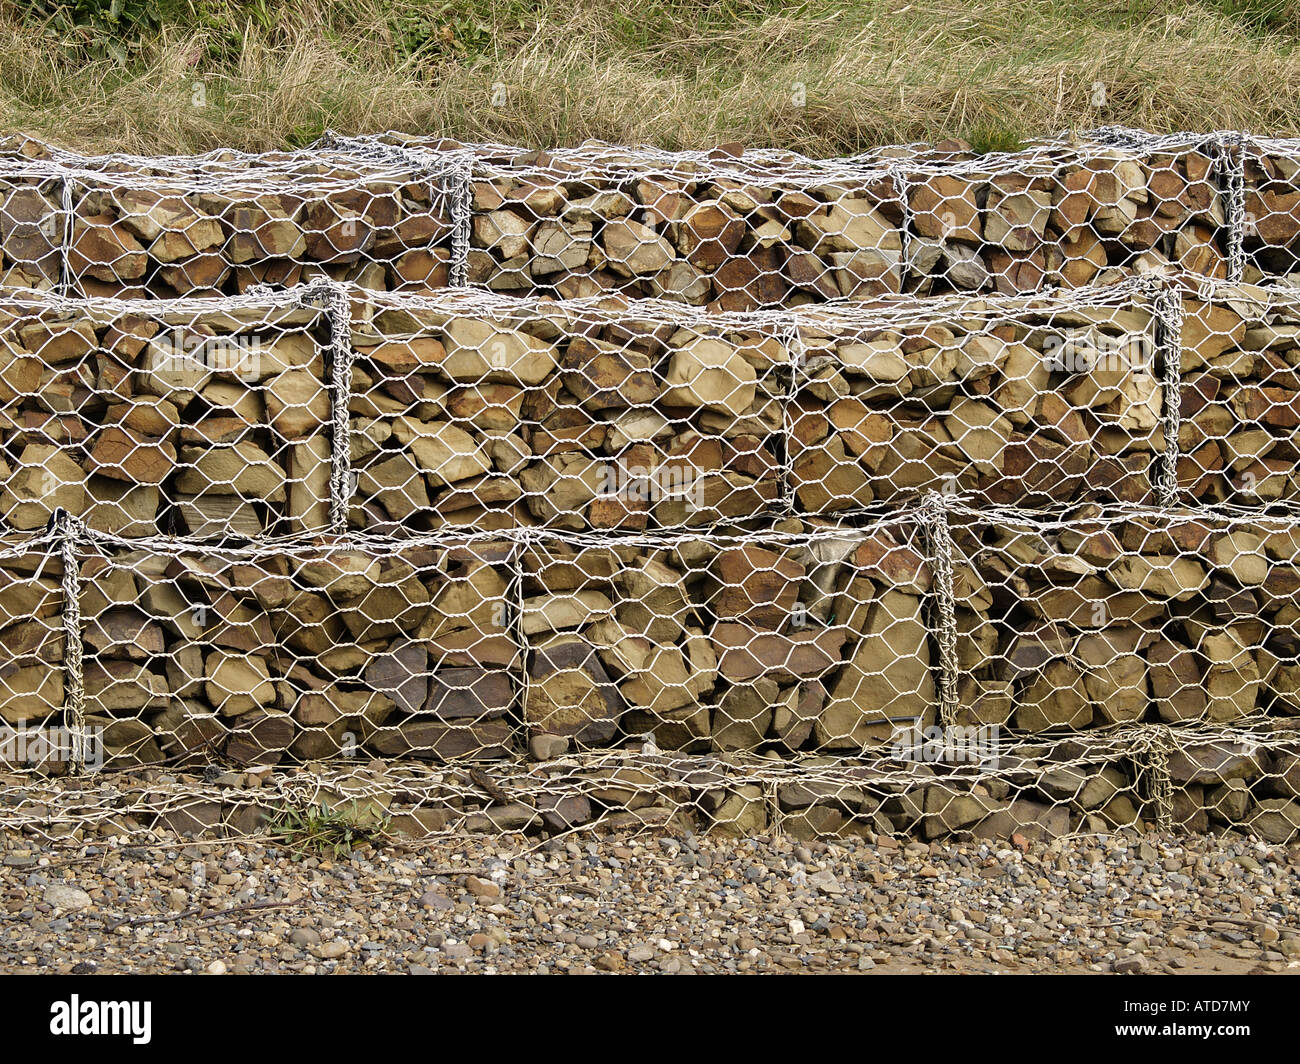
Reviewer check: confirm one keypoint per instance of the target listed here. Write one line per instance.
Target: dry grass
(678, 73)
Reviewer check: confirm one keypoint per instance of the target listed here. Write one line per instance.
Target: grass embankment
(821, 77)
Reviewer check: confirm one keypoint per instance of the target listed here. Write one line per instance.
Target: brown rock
(755, 585)
(104, 250)
(708, 235)
(477, 740)
(633, 249)
(122, 455)
(745, 653)
(887, 678)
(569, 692)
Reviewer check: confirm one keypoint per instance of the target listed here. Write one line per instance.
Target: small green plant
(988, 137)
(443, 31)
(319, 830)
(307, 132)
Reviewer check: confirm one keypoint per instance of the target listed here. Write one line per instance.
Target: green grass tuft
(989, 137)
(324, 831)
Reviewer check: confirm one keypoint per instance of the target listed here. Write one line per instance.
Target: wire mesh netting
(1238, 390)
(740, 230)
(1132, 667)
(496, 413)
(309, 653)
(1266, 181)
(491, 412)
(129, 227)
(191, 417)
(730, 228)
(1035, 402)
(932, 493)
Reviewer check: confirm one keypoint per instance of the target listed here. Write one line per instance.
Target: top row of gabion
(733, 231)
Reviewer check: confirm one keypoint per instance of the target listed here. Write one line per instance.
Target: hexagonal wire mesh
(410, 636)
(730, 229)
(495, 413)
(741, 230)
(831, 651)
(481, 411)
(201, 418)
(1117, 667)
(222, 223)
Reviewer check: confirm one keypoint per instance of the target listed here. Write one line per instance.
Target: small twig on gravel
(577, 888)
(234, 914)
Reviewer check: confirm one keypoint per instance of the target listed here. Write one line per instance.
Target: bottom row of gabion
(1187, 780)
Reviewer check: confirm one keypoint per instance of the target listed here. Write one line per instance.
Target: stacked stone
(184, 417)
(221, 224)
(738, 230)
(1240, 396)
(506, 414)
(1270, 205)
(303, 653)
(461, 526)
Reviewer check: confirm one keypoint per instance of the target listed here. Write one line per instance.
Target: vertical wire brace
(338, 313)
(514, 622)
(796, 356)
(67, 530)
(902, 188)
(1151, 749)
(1167, 314)
(934, 519)
(1230, 165)
(460, 193)
(65, 242)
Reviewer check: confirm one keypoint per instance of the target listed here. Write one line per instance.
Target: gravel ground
(671, 904)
